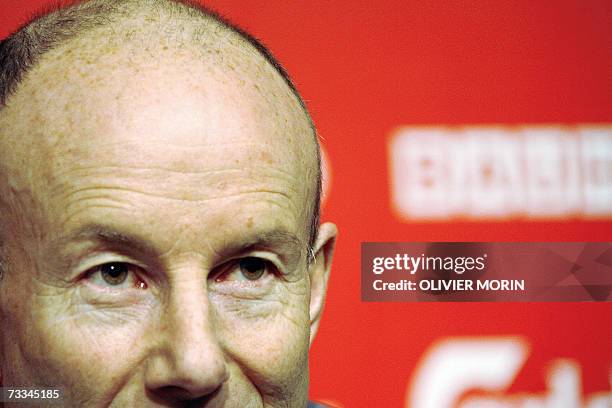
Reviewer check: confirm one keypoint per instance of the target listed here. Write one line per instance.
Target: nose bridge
(191, 309)
(189, 355)
(187, 315)
(192, 337)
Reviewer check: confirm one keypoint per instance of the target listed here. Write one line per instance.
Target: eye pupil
(114, 273)
(252, 268)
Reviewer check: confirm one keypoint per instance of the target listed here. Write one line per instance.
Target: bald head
(171, 18)
(103, 64)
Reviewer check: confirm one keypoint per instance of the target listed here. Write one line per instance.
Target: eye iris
(252, 268)
(114, 273)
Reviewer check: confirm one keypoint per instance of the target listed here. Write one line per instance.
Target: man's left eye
(247, 269)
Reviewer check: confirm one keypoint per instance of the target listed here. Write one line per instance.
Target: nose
(187, 362)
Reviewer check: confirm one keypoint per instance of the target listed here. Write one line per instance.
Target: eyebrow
(291, 246)
(108, 236)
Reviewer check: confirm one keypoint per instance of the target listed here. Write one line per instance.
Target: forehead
(189, 119)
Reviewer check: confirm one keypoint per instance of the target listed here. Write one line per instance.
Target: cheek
(79, 350)
(269, 341)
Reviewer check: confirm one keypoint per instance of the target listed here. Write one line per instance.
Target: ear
(319, 273)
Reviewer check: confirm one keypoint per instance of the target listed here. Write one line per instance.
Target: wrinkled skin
(174, 172)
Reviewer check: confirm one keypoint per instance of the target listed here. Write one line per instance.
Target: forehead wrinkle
(181, 184)
(87, 205)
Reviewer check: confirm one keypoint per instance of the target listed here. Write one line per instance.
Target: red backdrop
(366, 68)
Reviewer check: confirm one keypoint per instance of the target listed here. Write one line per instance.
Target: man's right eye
(117, 275)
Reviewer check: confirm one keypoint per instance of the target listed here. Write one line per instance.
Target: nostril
(182, 396)
(176, 393)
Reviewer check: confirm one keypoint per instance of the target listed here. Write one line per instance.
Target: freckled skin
(193, 160)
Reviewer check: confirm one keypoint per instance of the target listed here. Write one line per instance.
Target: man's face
(159, 241)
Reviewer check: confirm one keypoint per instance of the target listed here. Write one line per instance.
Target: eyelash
(231, 266)
(139, 282)
(224, 271)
